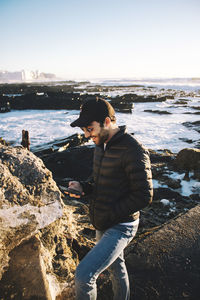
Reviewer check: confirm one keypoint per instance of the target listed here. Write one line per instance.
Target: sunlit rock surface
(40, 241)
(29, 199)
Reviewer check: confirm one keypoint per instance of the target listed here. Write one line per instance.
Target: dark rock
(195, 107)
(173, 183)
(194, 125)
(3, 142)
(122, 106)
(160, 112)
(164, 263)
(162, 156)
(165, 193)
(75, 162)
(181, 102)
(189, 141)
(59, 145)
(48, 100)
(188, 159)
(4, 104)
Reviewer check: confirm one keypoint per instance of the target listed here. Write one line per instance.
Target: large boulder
(164, 262)
(40, 243)
(29, 199)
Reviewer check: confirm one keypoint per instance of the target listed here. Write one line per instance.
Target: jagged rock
(29, 199)
(41, 242)
(26, 276)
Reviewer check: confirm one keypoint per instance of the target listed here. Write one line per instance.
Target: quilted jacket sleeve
(137, 167)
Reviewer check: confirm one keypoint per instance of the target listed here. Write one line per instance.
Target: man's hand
(75, 185)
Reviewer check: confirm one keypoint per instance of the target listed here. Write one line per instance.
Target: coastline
(159, 118)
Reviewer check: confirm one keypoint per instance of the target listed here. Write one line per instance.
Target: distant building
(6, 76)
(25, 76)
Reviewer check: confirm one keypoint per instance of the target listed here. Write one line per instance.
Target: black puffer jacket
(122, 181)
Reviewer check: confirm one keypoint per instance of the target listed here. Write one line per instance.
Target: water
(153, 130)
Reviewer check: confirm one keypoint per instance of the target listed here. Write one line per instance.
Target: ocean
(156, 131)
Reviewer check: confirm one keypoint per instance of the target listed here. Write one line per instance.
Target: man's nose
(87, 134)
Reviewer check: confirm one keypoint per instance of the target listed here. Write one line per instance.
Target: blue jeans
(107, 253)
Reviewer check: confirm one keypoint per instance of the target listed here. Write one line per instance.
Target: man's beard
(102, 137)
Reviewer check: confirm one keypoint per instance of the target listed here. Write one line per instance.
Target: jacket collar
(115, 137)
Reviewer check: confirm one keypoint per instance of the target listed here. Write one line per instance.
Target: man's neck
(113, 131)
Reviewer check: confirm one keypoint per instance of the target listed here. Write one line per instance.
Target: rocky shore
(70, 95)
(44, 234)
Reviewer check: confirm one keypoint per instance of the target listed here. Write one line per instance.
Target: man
(122, 185)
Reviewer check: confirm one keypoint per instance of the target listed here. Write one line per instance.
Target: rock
(75, 163)
(164, 156)
(164, 263)
(4, 104)
(173, 183)
(3, 142)
(65, 241)
(122, 105)
(29, 199)
(41, 238)
(181, 102)
(26, 277)
(59, 145)
(188, 159)
(48, 100)
(160, 112)
(194, 125)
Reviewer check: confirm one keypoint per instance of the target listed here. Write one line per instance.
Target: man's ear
(107, 121)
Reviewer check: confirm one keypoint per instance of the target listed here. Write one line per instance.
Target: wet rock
(71, 95)
(4, 104)
(122, 106)
(186, 140)
(48, 100)
(181, 102)
(59, 145)
(193, 125)
(160, 112)
(173, 183)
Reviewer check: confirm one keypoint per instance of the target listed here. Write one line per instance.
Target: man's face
(98, 134)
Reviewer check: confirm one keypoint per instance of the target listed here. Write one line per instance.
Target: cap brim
(81, 122)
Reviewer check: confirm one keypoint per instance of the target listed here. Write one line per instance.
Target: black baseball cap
(94, 110)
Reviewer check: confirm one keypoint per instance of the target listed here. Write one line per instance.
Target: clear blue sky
(101, 38)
